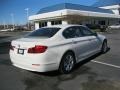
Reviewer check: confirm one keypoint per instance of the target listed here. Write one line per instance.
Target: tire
(67, 63)
(104, 47)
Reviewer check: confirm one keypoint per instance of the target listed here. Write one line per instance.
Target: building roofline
(65, 12)
(74, 7)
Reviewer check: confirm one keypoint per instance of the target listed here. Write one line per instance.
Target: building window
(42, 24)
(52, 22)
(108, 22)
(119, 10)
(102, 22)
(56, 22)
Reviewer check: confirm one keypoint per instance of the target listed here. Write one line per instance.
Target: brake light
(37, 49)
(12, 47)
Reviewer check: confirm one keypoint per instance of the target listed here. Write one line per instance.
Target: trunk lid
(22, 45)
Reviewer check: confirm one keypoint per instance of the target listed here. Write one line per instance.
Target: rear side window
(72, 32)
(44, 32)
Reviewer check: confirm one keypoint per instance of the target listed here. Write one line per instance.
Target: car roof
(62, 26)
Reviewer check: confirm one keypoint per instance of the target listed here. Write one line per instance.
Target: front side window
(72, 32)
(44, 32)
(86, 31)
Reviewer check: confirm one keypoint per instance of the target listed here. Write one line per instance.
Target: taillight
(37, 49)
(12, 47)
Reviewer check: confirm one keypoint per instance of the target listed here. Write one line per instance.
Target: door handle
(90, 39)
(74, 42)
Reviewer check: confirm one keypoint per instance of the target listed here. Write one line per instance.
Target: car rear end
(31, 57)
(33, 53)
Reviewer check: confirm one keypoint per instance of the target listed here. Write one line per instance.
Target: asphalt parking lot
(101, 72)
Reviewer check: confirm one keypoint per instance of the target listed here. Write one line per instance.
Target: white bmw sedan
(56, 48)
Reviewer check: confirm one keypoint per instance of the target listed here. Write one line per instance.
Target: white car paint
(114, 26)
(83, 47)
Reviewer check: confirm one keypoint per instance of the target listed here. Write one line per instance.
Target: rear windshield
(44, 32)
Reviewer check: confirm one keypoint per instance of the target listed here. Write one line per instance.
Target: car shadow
(4, 47)
(77, 66)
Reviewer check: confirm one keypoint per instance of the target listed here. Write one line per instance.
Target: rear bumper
(40, 68)
(38, 63)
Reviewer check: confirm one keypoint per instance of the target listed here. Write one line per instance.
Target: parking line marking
(111, 65)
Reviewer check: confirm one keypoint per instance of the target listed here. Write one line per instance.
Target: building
(113, 5)
(67, 13)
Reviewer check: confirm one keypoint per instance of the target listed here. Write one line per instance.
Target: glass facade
(57, 22)
(42, 24)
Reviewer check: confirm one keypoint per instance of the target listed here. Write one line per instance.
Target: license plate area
(20, 51)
